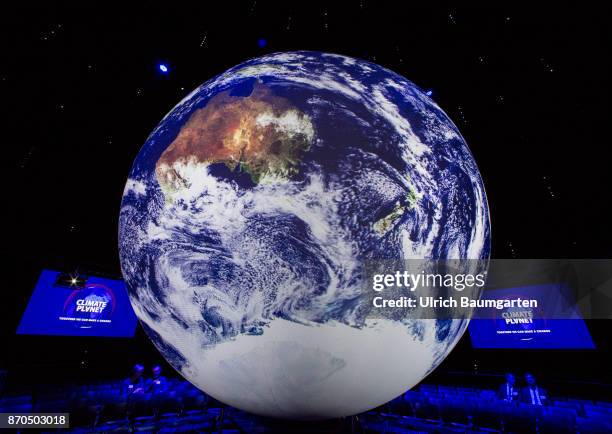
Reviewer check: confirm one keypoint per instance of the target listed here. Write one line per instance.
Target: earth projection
(250, 211)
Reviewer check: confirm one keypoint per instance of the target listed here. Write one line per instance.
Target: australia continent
(261, 134)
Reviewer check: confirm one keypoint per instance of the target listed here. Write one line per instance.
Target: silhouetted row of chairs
(103, 408)
(472, 409)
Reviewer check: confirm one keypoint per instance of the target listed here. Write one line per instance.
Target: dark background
(81, 91)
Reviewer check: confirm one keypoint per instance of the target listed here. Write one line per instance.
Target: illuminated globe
(251, 210)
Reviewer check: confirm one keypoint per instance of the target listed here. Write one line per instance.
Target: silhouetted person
(134, 384)
(508, 391)
(158, 383)
(532, 393)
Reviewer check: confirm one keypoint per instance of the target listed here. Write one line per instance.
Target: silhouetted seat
(53, 406)
(139, 408)
(487, 394)
(457, 412)
(487, 415)
(167, 404)
(593, 425)
(569, 405)
(16, 404)
(596, 410)
(522, 419)
(195, 401)
(428, 410)
(114, 412)
(83, 412)
(430, 388)
(557, 421)
(400, 406)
